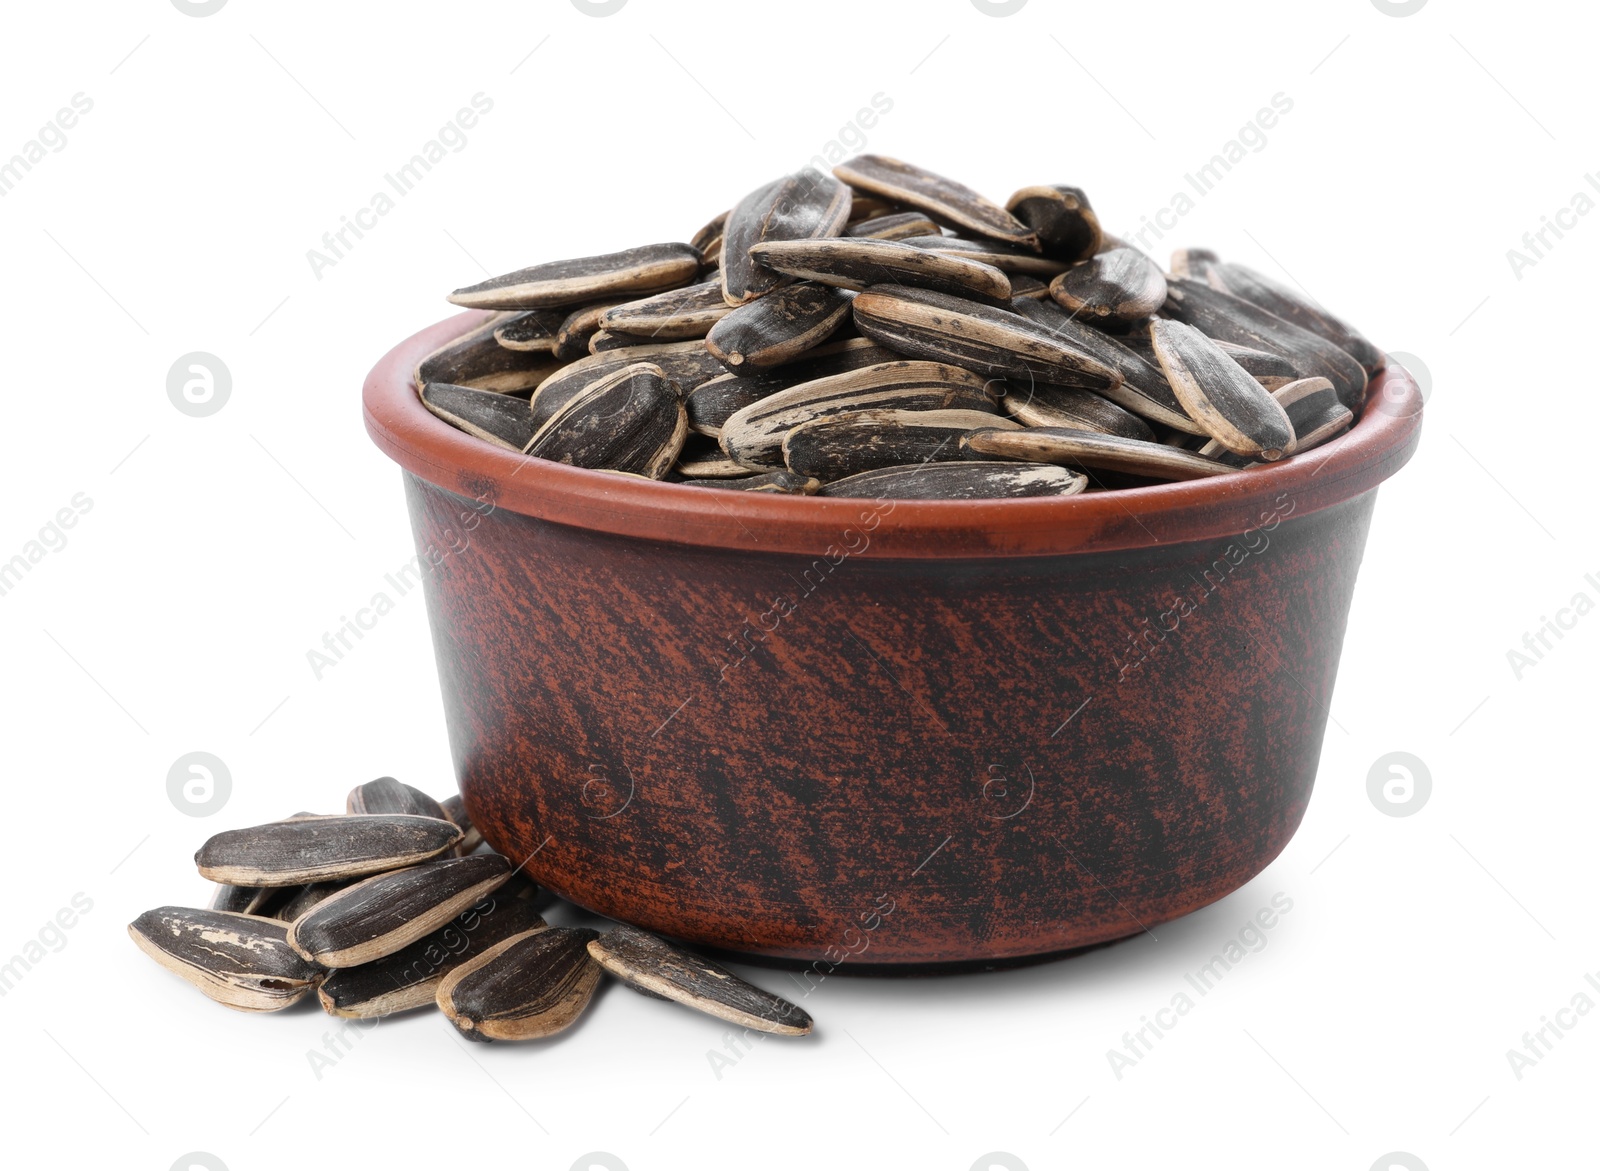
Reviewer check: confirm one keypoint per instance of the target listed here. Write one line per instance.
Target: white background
(218, 551)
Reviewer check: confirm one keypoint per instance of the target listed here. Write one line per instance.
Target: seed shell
(630, 421)
(779, 327)
(855, 264)
(972, 480)
(501, 419)
(1314, 410)
(649, 268)
(1008, 258)
(471, 837)
(708, 240)
(383, 914)
(387, 795)
(1042, 405)
(316, 849)
(476, 360)
(1062, 219)
(1027, 288)
(242, 961)
(410, 978)
(528, 986)
(303, 899)
(711, 403)
(780, 481)
(943, 199)
(860, 441)
(702, 459)
(685, 364)
(754, 435)
(895, 226)
(534, 330)
(1220, 394)
(1089, 449)
(796, 207)
(577, 328)
(670, 316)
(653, 965)
(1121, 286)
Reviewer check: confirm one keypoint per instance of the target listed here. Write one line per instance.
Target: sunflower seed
(942, 328)
(387, 795)
(242, 961)
(708, 240)
(866, 206)
(605, 341)
(476, 360)
(247, 900)
(1194, 263)
(382, 914)
(1088, 449)
(669, 316)
(1226, 318)
(943, 199)
(534, 330)
(646, 269)
(754, 435)
(501, 419)
(1042, 405)
(779, 327)
(1060, 216)
(1220, 395)
(841, 445)
(795, 207)
(302, 900)
(653, 965)
(531, 985)
(685, 364)
(292, 853)
(854, 264)
(895, 226)
(471, 838)
(1008, 258)
(410, 978)
(629, 421)
(1027, 288)
(1314, 410)
(1271, 370)
(1118, 287)
(712, 402)
(973, 480)
(1281, 301)
(781, 481)
(577, 328)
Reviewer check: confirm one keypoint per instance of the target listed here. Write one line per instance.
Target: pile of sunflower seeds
(396, 905)
(887, 332)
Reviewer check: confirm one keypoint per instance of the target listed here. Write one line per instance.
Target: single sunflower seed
(1314, 410)
(501, 419)
(605, 341)
(779, 327)
(1043, 405)
(1281, 301)
(629, 421)
(685, 364)
(242, 961)
(387, 795)
(1061, 218)
(380, 915)
(578, 328)
(535, 329)
(528, 986)
(650, 964)
(671, 316)
(895, 226)
(800, 206)
(477, 360)
(972, 480)
(410, 977)
(1220, 394)
(646, 269)
(780, 481)
(304, 898)
(713, 401)
(943, 199)
(754, 435)
(1118, 287)
(316, 849)
(456, 810)
(245, 900)
(1090, 449)
(836, 446)
(850, 263)
(938, 327)
(1008, 258)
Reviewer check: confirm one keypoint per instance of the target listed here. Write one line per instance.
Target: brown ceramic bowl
(908, 733)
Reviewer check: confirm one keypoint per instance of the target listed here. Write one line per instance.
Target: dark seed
(943, 199)
(685, 364)
(1282, 301)
(305, 898)
(1027, 288)
(708, 240)
(754, 435)
(1061, 218)
(534, 330)
(779, 327)
(317, 849)
(973, 480)
(531, 985)
(796, 207)
(702, 459)
(1220, 394)
(1008, 258)
(653, 965)
(713, 401)
(1042, 405)
(476, 360)
(242, 961)
(577, 328)
(669, 316)
(1121, 286)
(1314, 410)
(604, 341)
(629, 421)
(781, 481)
(895, 226)
(571, 282)
(501, 419)
(860, 441)
(1089, 449)
(410, 978)
(855, 264)
(383, 914)
(387, 795)
(942, 328)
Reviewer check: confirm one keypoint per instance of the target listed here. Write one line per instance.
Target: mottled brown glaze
(915, 732)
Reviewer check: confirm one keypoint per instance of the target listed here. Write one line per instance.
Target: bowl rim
(1380, 443)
